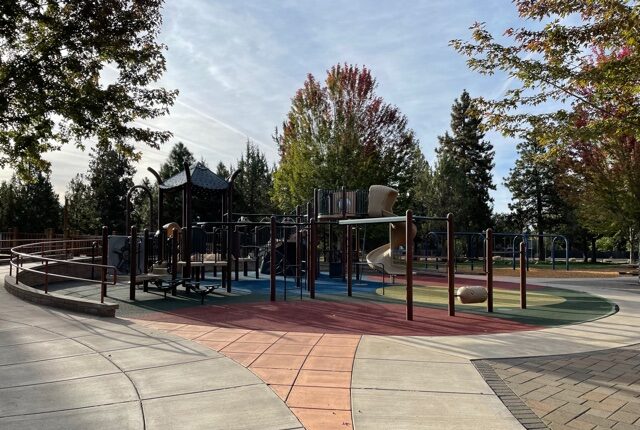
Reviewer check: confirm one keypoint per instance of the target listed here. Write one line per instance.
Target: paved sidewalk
(417, 382)
(310, 372)
(579, 391)
(59, 370)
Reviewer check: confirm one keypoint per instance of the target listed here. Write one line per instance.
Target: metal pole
(523, 275)
(257, 251)
(174, 262)
(311, 243)
(298, 248)
(145, 259)
(349, 262)
(272, 260)
(105, 254)
(489, 268)
(409, 262)
(46, 276)
(450, 265)
(133, 257)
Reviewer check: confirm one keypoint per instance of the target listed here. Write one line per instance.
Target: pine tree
(36, 204)
(253, 185)
(223, 171)
(174, 164)
(8, 210)
(81, 206)
(110, 176)
(464, 152)
(178, 155)
(536, 202)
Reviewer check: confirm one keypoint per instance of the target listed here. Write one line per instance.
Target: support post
(409, 262)
(105, 255)
(349, 262)
(298, 248)
(489, 268)
(186, 238)
(145, 259)
(133, 259)
(174, 262)
(450, 265)
(523, 275)
(272, 260)
(311, 264)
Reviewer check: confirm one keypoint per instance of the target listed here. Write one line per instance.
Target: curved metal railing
(77, 256)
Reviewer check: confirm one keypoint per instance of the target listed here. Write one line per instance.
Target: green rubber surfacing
(546, 306)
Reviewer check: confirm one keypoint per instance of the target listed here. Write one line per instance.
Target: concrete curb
(75, 304)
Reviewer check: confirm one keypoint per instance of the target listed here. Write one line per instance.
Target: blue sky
(237, 65)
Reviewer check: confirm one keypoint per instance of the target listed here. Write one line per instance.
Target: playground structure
(181, 254)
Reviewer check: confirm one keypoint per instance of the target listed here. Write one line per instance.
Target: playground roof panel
(201, 177)
(388, 219)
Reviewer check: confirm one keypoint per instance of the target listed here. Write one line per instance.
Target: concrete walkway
(430, 382)
(60, 370)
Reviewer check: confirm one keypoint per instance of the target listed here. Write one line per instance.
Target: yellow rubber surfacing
(437, 295)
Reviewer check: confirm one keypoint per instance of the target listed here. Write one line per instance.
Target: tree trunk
(593, 250)
(541, 250)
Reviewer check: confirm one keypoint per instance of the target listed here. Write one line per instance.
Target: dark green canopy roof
(201, 177)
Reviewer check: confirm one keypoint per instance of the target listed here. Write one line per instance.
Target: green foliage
(536, 202)
(140, 206)
(8, 210)
(110, 177)
(52, 86)
(461, 180)
(82, 213)
(554, 64)
(253, 185)
(223, 171)
(506, 223)
(575, 83)
(178, 155)
(342, 133)
(174, 164)
(30, 206)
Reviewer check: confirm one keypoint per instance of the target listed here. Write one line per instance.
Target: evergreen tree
(223, 171)
(110, 176)
(82, 212)
(8, 210)
(444, 189)
(536, 202)
(465, 153)
(140, 205)
(174, 164)
(252, 187)
(34, 206)
(178, 155)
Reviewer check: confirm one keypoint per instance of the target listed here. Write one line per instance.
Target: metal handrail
(18, 257)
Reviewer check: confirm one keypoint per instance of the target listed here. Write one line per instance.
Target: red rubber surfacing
(340, 317)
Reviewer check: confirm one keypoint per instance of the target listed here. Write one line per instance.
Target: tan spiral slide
(381, 201)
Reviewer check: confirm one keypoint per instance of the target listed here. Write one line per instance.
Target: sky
(238, 64)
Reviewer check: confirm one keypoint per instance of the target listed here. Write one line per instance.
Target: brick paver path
(311, 372)
(596, 390)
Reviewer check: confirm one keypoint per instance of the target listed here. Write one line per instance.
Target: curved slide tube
(381, 201)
